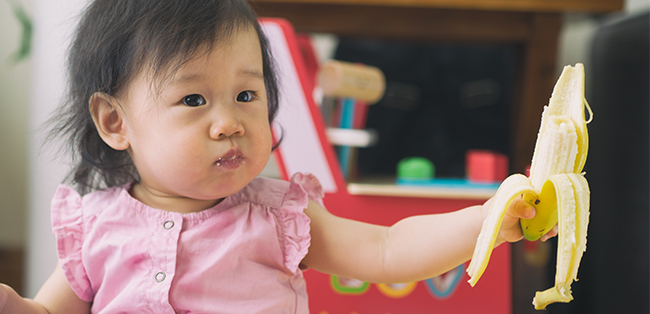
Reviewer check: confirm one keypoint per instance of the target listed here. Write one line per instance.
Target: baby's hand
(510, 230)
(4, 296)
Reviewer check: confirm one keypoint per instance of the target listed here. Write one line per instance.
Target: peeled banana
(556, 188)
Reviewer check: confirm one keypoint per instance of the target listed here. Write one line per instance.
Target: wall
(14, 105)
(55, 23)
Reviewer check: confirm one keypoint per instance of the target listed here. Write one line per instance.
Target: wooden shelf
(385, 186)
(416, 191)
(596, 6)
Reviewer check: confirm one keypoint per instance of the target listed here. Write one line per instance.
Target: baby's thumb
(522, 209)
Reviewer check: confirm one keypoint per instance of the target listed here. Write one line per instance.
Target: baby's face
(206, 134)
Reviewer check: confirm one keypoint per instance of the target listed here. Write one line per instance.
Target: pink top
(241, 256)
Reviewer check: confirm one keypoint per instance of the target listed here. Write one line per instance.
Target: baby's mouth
(231, 160)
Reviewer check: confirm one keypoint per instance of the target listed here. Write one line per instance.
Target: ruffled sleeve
(68, 228)
(295, 223)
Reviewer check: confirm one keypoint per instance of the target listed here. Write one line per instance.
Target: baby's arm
(55, 297)
(415, 248)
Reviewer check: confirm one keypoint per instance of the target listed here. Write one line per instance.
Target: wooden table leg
(536, 77)
(12, 261)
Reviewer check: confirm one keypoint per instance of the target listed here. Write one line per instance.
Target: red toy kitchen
(306, 148)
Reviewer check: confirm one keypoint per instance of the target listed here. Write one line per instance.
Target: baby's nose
(226, 124)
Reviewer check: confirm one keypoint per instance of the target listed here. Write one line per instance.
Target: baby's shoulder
(276, 192)
(97, 200)
(72, 213)
(66, 198)
(264, 191)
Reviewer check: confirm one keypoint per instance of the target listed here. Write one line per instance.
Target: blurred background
(614, 274)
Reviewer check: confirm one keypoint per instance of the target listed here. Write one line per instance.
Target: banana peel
(556, 188)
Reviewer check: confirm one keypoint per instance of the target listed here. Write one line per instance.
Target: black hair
(114, 41)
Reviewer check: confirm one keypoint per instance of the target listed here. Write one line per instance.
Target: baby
(168, 119)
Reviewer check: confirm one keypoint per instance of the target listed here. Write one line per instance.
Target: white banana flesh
(556, 187)
(573, 192)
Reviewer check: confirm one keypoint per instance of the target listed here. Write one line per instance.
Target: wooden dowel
(349, 80)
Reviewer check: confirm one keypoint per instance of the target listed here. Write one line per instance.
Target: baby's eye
(194, 100)
(246, 96)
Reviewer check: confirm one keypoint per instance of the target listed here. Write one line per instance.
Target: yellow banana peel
(556, 188)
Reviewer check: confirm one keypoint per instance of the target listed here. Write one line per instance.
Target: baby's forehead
(193, 71)
(159, 76)
(167, 68)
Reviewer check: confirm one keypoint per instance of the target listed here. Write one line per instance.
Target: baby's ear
(109, 120)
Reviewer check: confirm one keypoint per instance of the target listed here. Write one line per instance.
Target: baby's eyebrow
(252, 74)
(188, 78)
(183, 79)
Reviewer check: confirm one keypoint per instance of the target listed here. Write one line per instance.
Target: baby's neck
(171, 203)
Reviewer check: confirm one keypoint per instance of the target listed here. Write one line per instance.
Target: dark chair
(614, 274)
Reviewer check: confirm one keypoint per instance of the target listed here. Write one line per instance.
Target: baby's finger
(550, 234)
(522, 209)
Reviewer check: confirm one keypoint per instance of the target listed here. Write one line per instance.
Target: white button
(168, 224)
(160, 276)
